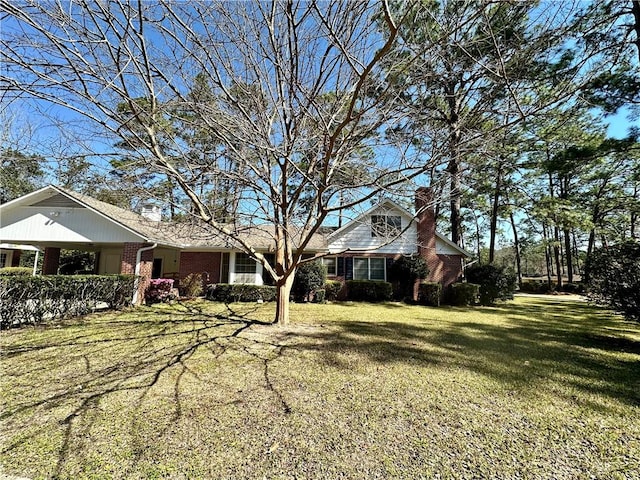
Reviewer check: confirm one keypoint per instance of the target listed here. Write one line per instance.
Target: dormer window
(385, 225)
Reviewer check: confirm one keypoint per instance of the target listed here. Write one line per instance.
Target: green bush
(238, 292)
(15, 271)
(462, 294)
(332, 288)
(613, 278)
(368, 291)
(319, 296)
(33, 299)
(404, 272)
(191, 285)
(496, 283)
(429, 293)
(310, 276)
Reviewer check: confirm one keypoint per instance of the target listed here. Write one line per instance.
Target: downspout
(35, 264)
(137, 271)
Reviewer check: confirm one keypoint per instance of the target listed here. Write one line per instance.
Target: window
(3, 260)
(331, 264)
(369, 268)
(245, 264)
(385, 225)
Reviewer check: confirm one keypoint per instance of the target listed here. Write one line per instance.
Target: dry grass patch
(537, 388)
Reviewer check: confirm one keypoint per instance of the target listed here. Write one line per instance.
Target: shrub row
(15, 271)
(368, 291)
(229, 293)
(462, 294)
(429, 293)
(28, 299)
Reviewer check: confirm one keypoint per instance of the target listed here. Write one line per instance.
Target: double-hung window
(244, 268)
(331, 264)
(385, 225)
(369, 268)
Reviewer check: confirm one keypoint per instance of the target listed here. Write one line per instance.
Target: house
(54, 218)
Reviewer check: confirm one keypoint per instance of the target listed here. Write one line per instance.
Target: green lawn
(536, 388)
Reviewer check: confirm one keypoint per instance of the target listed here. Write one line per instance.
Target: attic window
(385, 225)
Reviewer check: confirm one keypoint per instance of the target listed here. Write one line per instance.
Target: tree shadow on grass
(567, 344)
(130, 356)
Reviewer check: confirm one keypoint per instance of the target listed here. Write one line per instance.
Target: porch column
(51, 261)
(128, 265)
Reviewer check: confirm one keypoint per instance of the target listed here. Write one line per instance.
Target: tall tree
(292, 83)
(485, 55)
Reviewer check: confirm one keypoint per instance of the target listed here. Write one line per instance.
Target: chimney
(426, 227)
(151, 212)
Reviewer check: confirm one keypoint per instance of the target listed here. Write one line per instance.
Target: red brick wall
(200, 262)
(447, 269)
(128, 265)
(51, 261)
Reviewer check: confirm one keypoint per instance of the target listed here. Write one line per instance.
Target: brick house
(54, 218)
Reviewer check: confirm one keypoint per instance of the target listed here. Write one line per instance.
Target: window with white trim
(369, 268)
(244, 263)
(385, 225)
(331, 264)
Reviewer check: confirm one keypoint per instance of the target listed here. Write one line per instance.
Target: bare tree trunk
(547, 255)
(568, 255)
(283, 292)
(494, 215)
(516, 246)
(556, 256)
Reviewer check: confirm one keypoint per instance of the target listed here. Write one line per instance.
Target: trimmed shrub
(319, 296)
(403, 274)
(15, 271)
(310, 276)
(462, 294)
(159, 290)
(34, 299)
(238, 292)
(429, 293)
(331, 288)
(191, 285)
(613, 275)
(496, 283)
(368, 291)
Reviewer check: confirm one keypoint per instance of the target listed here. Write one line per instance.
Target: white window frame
(368, 259)
(330, 273)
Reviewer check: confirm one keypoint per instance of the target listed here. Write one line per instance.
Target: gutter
(134, 301)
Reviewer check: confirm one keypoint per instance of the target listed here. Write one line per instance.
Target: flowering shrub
(159, 290)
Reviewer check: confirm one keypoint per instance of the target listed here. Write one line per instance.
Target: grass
(536, 388)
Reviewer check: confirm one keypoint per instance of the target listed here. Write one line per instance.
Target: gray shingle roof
(191, 234)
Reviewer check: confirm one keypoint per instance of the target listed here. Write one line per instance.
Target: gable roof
(364, 215)
(405, 212)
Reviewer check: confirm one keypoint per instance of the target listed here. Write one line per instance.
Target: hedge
(29, 299)
(429, 293)
(463, 294)
(368, 291)
(332, 288)
(15, 271)
(238, 292)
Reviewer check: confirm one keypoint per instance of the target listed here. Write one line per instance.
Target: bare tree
(291, 101)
